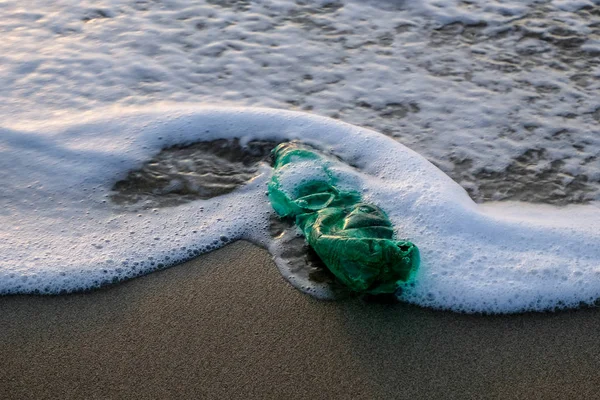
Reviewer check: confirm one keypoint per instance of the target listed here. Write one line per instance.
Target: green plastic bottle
(354, 239)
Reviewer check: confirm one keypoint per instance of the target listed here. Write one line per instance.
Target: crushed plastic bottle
(355, 240)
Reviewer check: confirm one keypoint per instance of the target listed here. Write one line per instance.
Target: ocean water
(474, 124)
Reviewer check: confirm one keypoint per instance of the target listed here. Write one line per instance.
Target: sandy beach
(227, 325)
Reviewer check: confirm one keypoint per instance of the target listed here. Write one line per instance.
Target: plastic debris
(355, 240)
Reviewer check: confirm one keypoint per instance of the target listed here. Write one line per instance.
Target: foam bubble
(59, 233)
(502, 95)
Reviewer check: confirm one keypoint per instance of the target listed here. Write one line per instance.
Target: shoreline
(227, 325)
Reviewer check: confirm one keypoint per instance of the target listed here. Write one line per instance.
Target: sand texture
(227, 325)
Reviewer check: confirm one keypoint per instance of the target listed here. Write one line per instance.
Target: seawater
(500, 96)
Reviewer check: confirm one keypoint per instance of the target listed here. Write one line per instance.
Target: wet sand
(227, 325)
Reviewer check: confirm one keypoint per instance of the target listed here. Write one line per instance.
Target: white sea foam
(58, 231)
(499, 94)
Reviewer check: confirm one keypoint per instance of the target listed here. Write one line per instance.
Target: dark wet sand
(228, 326)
